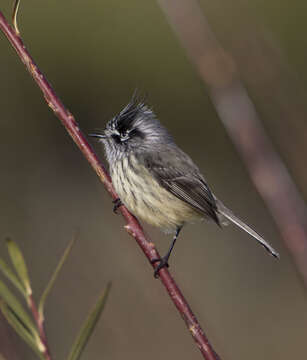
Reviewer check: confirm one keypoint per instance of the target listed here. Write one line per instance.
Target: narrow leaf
(53, 278)
(88, 326)
(19, 327)
(14, 304)
(8, 272)
(19, 264)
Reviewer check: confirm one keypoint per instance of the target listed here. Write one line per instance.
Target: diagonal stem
(132, 225)
(267, 171)
(40, 326)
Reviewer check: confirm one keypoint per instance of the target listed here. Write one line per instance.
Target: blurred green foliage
(17, 316)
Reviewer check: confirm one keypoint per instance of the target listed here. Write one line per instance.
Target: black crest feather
(125, 118)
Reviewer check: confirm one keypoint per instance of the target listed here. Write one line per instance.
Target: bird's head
(135, 128)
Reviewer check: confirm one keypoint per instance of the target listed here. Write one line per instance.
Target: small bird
(156, 180)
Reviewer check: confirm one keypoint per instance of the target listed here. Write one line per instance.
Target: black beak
(100, 136)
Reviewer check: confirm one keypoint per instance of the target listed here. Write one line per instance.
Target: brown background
(95, 53)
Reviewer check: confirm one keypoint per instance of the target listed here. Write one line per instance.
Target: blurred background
(95, 53)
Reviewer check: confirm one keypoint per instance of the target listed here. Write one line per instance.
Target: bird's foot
(117, 203)
(163, 262)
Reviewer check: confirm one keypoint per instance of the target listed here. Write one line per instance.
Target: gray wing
(176, 172)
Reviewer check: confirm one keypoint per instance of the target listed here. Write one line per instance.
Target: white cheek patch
(125, 137)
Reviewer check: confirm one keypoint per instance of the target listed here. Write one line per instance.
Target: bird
(156, 180)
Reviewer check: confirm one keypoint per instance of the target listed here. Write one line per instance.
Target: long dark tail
(228, 214)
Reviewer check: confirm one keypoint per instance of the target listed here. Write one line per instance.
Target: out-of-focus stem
(237, 112)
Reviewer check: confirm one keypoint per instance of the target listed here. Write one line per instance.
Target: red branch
(40, 326)
(132, 225)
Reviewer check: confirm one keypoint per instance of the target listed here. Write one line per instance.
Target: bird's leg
(164, 260)
(117, 203)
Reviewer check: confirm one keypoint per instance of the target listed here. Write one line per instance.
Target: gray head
(134, 129)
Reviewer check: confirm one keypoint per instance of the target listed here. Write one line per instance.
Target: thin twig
(132, 225)
(40, 327)
(15, 15)
(238, 114)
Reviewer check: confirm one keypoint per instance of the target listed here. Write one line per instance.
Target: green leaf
(19, 264)
(20, 328)
(88, 326)
(12, 277)
(14, 304)
(53, 278)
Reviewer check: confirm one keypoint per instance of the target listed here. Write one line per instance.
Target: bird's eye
(124, 136)
(116, 138)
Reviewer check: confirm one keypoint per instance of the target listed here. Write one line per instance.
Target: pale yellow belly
(147, 200)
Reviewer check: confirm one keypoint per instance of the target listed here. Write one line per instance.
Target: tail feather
(229, 215)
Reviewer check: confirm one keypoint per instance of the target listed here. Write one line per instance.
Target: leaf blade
(14, 304)
(6, 270)
(89, 326)
(53, 278)
(19, 264)
(20, 329)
